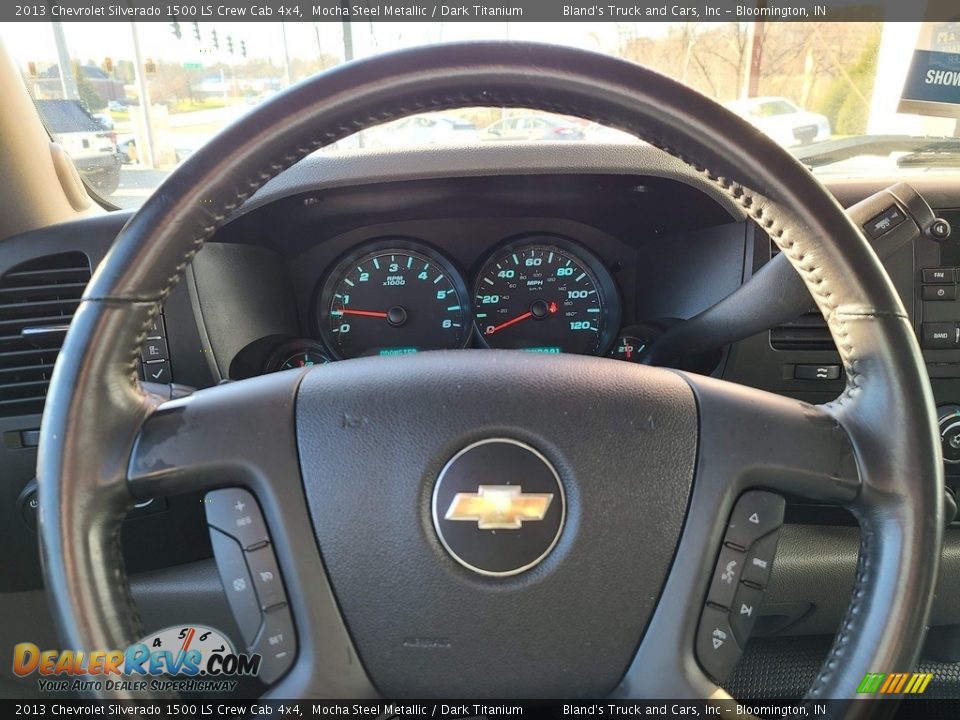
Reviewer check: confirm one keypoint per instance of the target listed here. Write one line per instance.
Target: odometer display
(392, 301)
(545, 297)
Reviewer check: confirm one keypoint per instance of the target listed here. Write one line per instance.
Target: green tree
(89, 97)
(847, 100)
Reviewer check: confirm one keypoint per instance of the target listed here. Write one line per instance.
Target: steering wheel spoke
(234, 434)
(754, 447)
(237, 441)
(751, 438)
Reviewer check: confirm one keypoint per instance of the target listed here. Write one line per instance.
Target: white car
(419, 130)
(781, 119)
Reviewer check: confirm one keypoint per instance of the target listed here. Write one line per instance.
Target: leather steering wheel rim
(96, 405)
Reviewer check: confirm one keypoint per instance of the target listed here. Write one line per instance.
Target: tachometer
(394, 298)
(546, 295)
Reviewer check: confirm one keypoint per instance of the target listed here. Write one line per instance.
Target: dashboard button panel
(251, 579)
(739, 577)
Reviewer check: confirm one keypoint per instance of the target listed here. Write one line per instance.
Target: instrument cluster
(536, 293)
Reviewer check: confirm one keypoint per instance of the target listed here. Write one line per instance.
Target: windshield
(130, 101)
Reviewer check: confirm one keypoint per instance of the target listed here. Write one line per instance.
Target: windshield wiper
(834, 151)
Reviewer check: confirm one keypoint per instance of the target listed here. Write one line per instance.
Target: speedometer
(546, 295)
(393, 298)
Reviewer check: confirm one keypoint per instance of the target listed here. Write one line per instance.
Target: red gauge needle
(508, 323)
(551, 308)
(362, 313)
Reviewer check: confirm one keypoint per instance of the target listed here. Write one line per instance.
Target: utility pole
(141, 80)
(67, 81)
(287, 76)
(750, 87)
(347, 41)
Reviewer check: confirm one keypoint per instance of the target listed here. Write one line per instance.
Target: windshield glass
(130, 101)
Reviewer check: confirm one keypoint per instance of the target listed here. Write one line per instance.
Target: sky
(91, 40)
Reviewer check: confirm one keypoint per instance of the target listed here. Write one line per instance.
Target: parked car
(784, 121)
(533, 128)
(105, 120)
(424, 130)
(92, 147)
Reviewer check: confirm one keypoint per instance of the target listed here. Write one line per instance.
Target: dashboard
(541, 249)
(459, 264)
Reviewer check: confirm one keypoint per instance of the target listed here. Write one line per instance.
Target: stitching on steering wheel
(863, 578)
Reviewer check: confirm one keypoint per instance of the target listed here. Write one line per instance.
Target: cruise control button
(266, 576)
(237, 584)
(939, 292)
(717, 648)
(726, 576)
(277, 644)
(939, 275)
(940, 335)
(755, 514)
(759, 560)
(743, 614)
(235, 512)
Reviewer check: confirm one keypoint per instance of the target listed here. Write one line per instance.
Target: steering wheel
(352, 465)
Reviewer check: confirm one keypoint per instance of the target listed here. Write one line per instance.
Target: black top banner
(472, 11)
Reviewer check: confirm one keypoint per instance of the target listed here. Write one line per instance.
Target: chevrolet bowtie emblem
(499, 507)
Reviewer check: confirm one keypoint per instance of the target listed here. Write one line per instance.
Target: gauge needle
(508, 323)
(552, 308)
(362, 313)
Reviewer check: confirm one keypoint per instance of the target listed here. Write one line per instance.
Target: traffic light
(243, 49)
(175, 29)
(216, 42)
(196, 30)
(108, 65)
(229, 44)
(150, 67)
(32, 68)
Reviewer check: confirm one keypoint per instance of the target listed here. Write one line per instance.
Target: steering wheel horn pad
(346, 481)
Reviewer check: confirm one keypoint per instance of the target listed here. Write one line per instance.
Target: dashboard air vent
(807, 332)
(37, 301)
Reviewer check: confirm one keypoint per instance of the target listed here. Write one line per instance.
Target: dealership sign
(932, 86)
